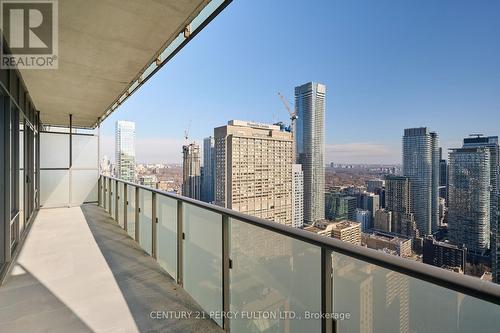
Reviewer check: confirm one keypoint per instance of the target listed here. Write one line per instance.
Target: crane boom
(186, 131)
(293, 116)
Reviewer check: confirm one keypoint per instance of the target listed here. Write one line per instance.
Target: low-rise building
(443, 254)
(347, 231)
(382, 240)
(149, 180)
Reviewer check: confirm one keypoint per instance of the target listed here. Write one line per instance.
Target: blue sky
(387, 65)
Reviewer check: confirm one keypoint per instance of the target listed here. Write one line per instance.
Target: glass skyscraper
(125, 150)
(191, 171)
(310, 146)
(207, 183)
(469, 194)
(421, 166)
(491, 143)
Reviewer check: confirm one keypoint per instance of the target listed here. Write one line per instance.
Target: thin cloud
(149, 150)
(169, 150)
(363, 152)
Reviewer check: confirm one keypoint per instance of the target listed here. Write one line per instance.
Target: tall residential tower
(207, 183)
(297, 196)
(125, 150)
(491, 144)
(469, 194)
(399, 203)
(310, 146)
(421, 166)
(191, 171)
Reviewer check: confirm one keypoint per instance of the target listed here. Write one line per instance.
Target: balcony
(79, 272)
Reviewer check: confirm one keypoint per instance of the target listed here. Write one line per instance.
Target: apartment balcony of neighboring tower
(84, 252)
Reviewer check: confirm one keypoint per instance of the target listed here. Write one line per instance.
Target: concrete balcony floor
(78, 271)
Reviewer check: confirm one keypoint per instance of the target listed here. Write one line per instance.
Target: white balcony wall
(63, 183)
(54, 150)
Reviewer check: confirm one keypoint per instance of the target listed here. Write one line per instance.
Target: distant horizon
(149, 150)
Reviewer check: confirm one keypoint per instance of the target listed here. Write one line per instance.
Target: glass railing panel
(166, 234)
(21, 196)
(145, 216)
(105, 194)
(101, 190)
(131, 211)
(120, 204)
(202, 262)
(381, 300)
(113, 199)
(273, 274)
(108, 196)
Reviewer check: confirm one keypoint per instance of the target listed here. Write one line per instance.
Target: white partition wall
(68, 168)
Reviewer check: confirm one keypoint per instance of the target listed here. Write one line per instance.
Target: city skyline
(438, 74)
(150, 150)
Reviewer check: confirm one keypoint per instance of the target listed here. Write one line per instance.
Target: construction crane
(293, 115)
(186, 131)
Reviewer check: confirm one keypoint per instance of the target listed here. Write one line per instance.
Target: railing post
(327, 324)
(226, 266)
(117, 197)
(104, 190)
(125, 207)
(99, 190)
(137, 210)
(180, 247)
(154, 222)
(110, 193)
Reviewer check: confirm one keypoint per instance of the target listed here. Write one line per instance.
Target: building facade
(208, 178)
(364, 218)
(310, 146)
(191, 171)
(125, 150)
(346, 231)
(373, 184)
(469, 195)
(253, 170)
(297, 196)
(149, 181)
(396, 244)
(421, 165)
(491, 143)
(383, 220)
(369, 201)
(443, 176)
(442, 254)
(399, 202)
(340, 207)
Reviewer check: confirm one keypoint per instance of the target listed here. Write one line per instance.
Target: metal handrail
(467, 285)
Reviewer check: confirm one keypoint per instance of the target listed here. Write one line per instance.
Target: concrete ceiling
(103, 47)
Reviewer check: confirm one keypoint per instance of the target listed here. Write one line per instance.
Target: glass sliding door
(19, 140)
(5, 179)
(15, 218)
(29, 172)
